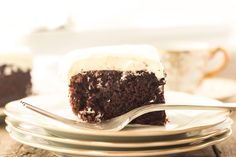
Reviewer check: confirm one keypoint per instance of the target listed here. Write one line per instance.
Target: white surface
(180, 121)
(121, 58)
(67, 150)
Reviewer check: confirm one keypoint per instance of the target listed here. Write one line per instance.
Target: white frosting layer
(19, 58)
(122, 58)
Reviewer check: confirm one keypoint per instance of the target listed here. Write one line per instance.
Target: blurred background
(53, 27)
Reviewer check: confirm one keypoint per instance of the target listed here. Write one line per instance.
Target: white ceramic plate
(217, 88)
(180, 121)
(66, 150)
(40, 133)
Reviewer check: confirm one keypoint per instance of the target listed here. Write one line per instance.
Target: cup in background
(186, 65)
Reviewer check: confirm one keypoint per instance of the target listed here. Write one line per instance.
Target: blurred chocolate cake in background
(106, 82)
(15, 74)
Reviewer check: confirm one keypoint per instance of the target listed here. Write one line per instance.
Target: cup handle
(221, 66)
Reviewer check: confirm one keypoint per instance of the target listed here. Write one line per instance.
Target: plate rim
(112, 133)
(153, 132)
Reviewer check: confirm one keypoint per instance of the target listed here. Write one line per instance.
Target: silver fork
(118, 123)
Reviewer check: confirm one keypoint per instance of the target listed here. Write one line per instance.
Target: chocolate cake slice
(15, 77)
(106, 82)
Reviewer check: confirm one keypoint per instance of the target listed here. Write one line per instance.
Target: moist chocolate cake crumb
(104, 94)
(14, 83)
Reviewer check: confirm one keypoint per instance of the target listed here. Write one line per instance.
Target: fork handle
(169, 106)
(227, 107)
(221, 106)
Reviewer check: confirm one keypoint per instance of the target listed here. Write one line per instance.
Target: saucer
(217, 88)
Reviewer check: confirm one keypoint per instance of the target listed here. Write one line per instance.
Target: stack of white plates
(186, 130)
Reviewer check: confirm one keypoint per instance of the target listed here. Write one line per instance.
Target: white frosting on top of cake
(19, 58)
(122, 58)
